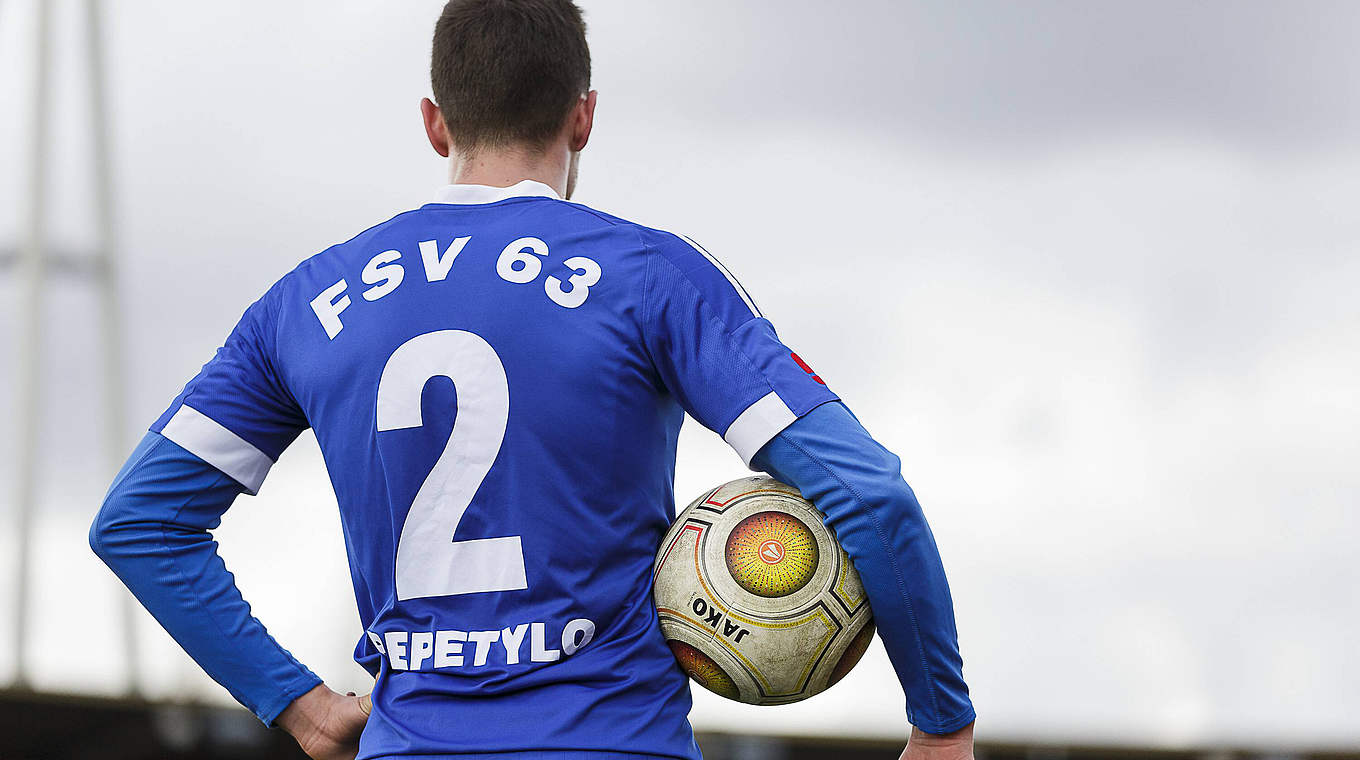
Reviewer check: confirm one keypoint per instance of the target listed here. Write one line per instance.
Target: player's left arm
(857, 484)
(723, 361)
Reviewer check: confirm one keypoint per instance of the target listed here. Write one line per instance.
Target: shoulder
(678, 256)
(692, 261)
(679, 262)
(334, 262)
(361, 241)
(668, 244)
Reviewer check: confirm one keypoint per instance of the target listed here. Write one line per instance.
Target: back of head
(507, 72)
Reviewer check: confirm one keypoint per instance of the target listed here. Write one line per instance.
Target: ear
(582, 120)
(435, 129)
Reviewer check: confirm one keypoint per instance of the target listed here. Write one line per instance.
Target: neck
(503, 167)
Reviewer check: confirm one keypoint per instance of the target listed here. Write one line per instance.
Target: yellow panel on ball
(771, 554)
(703, 670)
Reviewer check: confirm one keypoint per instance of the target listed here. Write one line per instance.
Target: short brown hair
(508, 71)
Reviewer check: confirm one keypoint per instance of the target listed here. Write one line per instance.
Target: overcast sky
(1089, 268)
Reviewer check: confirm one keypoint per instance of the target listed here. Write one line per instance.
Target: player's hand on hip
(955, 746)
(327, 724)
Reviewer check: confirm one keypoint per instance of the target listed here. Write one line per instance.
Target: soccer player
(496, 381)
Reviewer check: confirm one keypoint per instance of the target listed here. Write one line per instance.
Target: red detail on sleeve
(806, 368)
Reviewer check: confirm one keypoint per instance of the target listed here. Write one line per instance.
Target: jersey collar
(474, 194)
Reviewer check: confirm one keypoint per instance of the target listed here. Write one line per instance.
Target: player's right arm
(153, 532)
(724, 363)
(216, 441)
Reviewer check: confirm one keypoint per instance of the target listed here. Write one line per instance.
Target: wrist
(961, 737)
(305, 715)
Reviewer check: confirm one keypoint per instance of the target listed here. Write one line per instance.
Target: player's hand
(327, 724)
(955, 746)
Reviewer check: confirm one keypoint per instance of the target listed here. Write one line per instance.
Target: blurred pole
(111, 313)
(32, 265)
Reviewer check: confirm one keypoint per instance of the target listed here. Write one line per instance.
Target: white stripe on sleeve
(208, 440)
(755, 427)
(750, 302)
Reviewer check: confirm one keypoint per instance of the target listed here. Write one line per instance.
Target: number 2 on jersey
(429, 561)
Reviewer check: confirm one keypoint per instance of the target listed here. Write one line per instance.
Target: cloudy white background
(1090, 268)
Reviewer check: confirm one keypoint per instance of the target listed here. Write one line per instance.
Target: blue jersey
(497, 381)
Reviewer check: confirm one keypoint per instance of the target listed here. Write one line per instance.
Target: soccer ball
(756, 599)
